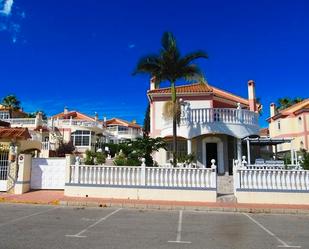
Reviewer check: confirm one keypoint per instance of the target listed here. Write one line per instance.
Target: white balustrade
(73, 122)
(222, 115)
(143, 176)
(271, 179)
(20, 121)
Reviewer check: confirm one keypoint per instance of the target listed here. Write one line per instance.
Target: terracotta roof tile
(17, 133)
(74, 114)
(200, 88)
(192, 88)
(295, 107)
(264, 132)
(118, 121)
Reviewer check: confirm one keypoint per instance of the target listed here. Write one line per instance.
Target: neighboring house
(121, 130)
(5, 113)
(212, 125)
(85, 132)
(292, 122)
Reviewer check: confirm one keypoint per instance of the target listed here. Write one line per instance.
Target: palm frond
(187, 59)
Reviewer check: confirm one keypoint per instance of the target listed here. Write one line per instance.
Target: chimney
(153, 83)
(273, 111)
(96, 116)
(251, 95)
(66, 110)
(38, 120)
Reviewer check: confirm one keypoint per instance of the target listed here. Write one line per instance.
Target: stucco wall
(142, 193)
(291, 127)
(298, 198)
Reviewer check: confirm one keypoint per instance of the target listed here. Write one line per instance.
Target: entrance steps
(225, 189)
(109, 162)
(230, 198)
(225, 184)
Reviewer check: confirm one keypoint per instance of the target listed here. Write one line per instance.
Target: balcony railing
(218, 115)
(72, 122)
(48, 146)
(20, 121)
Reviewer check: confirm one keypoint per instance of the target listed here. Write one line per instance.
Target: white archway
(218, 141)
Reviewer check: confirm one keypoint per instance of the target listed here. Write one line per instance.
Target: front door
(211, 153)
(4, 164)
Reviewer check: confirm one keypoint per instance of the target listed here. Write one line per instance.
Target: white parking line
(79, 235)
(27, 216)
(179, 229)
(283, 243)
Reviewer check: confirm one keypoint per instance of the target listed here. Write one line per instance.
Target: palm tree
(286, 102)
(170, 66)
(11, 103)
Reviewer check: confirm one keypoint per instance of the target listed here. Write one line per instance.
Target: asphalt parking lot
(53, 227)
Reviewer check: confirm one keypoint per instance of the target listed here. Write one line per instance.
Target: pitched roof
(14, 133)
(264, 132)
(4, 124)
(293, 109)
(296, 107)
(19, 112)
(192, 88)
(199, 88)
(118, 121)
(73, 115)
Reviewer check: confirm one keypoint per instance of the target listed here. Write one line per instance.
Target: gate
(4, 165)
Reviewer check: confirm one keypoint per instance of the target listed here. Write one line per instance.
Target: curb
(187, 208)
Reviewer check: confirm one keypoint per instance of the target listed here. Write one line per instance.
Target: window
(81, 138)
(279, 125)
(181, 149)
(4, 115)
(123, 129)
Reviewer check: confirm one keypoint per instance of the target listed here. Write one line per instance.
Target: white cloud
(130, 46)
(6, 7)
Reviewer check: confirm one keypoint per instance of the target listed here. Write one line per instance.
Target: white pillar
(248, 151)
(189, 146)
(239, 150)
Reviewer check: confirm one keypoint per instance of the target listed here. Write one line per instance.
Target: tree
(33, 114)
(147, 121)
(144, 147)
(170, 66)
(286, 102)
(11, 103)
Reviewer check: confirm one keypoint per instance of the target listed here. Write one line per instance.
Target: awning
(267, 140)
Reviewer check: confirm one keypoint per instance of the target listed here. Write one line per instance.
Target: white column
(239, 150)
(248, 152)
(189, 146)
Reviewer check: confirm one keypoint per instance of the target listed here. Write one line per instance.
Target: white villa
(120, 130)
(85, 132)
(212, 126)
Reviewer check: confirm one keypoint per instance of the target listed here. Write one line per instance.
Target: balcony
(234, 122)
(20, 122)
(62, 123)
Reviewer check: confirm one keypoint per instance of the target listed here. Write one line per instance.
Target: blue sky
(81, 54)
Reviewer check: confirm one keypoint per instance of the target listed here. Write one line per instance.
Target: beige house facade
(292, 122)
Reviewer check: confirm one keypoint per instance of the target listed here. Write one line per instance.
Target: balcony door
(211, 153)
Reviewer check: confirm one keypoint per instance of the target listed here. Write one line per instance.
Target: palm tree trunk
(173, 90)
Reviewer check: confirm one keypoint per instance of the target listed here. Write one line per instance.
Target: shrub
(100, 158)
(305, 160)
(65, 148)
(120, 159)
(94, 158)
